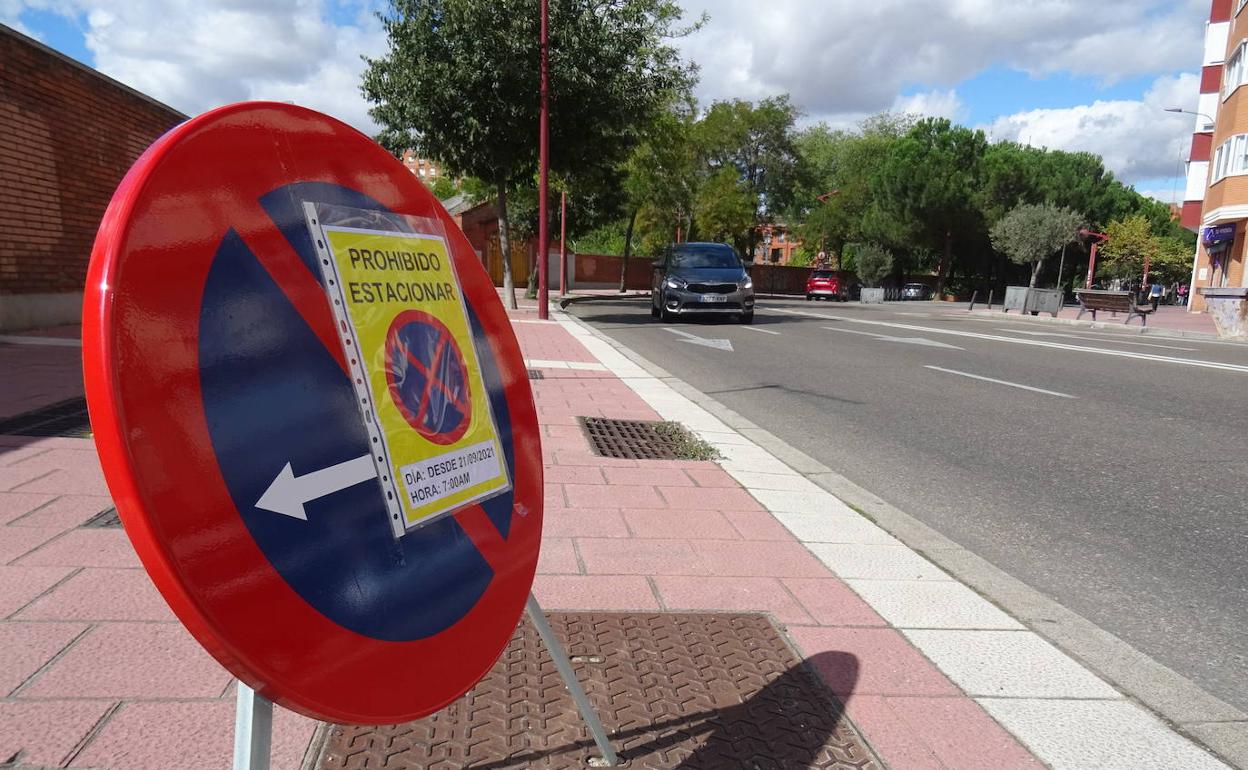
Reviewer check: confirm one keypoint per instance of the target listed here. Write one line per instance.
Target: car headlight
(748, 283)
(676, 283)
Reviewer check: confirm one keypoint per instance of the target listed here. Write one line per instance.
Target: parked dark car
(916, 291)
(823, 284)
(701, 278)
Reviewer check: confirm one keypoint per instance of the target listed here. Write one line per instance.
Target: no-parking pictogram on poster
(406, 334)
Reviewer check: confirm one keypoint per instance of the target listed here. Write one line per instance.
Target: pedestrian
(1182, 292)
(1155, 290)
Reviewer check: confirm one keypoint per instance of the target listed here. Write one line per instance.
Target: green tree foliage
(757, 143)
(927, 183)
(442, 188)
(1031, 233)
(724, 208)
(1131, 242)
(460, 83)
(873, 263)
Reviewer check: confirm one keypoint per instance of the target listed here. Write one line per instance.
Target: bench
(1092, 300)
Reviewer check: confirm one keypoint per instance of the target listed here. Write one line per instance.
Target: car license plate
(714, 298)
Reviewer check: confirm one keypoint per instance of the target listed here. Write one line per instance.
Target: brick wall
(67, 136)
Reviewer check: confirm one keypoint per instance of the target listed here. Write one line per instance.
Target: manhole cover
(103, 520)
(64, 418)
(536, 374)
(688, 691)
(631, 439)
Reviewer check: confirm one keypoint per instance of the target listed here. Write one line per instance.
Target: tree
(1130, 244)
(757, 143)
(928, 182)
(1031, 233)
(460, 83)
(873, 263)
(724, 208)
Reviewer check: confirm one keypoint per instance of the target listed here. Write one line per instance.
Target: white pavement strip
(1065, 714)
(541, 363)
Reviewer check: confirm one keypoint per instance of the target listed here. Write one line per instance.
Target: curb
(1183, 706)
(1148, 331)
(572, 299)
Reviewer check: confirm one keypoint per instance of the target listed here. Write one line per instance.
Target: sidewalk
(96, 673)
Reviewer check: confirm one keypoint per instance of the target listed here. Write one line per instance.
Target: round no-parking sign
(235, 419)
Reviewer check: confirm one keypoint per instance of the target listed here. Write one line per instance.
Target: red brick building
(68, 134)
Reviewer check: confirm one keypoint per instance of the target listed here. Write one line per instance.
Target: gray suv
(701, 278)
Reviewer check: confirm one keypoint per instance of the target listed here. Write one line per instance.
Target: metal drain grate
(536, 374)
(630, 439)
(103, 520)
(64, 418)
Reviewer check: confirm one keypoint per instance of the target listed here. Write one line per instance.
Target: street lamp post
(543, 235)
(1193, 112)
(1100, 238)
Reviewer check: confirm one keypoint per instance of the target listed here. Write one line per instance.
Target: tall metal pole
(543, 236)
(563, 243)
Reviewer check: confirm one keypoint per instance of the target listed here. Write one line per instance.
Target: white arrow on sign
(888, 338)
(694, 339)
(287, 494)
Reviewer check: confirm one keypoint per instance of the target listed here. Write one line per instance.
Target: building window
(1231, 158)
(1233, 72)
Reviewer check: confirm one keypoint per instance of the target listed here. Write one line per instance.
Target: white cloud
(1137, 139)
(936, 104)
(853, 57)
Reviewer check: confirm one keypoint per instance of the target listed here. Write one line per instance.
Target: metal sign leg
(253, 730)
(564, 667)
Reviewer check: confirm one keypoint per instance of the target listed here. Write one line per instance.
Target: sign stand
(253, 717)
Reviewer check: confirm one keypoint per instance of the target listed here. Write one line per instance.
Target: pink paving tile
(15, 504)
(758, 525)
(558, 556)
(736, 594)
(584, 522)
(608, 556)
(758, 559)
(132, 660)
(711, 477)
(13, 476)
(10, 455)
(694, 525)
(187, 736)
(46, 733)
(26, 647)
(870, 661)
(718, 498)
(612, 496)
(86, 548)
(594, 592)
(563, 431)
(832, 603)
(575, 474)
(658, 477)
(585, 457)
(955, 731)
(16, 541)
(78, 480)
(553, 497)
(101, 594)
(66, 512)
(23, 584)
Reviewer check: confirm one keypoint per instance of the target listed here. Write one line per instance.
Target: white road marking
(1001, 382)
(760, 331)
(694, 339)
(1094, 339)
(1033, 343)
(890, 338)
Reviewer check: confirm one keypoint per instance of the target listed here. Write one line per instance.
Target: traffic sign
(232, 436)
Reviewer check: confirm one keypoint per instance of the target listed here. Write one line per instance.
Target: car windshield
(822, 274)
(914, 286)
(704, 255)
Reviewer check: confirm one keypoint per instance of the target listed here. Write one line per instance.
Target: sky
(1091, 75)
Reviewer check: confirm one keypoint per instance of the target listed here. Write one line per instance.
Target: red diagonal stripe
(457, 401)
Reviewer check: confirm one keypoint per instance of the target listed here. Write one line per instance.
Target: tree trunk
(628, 248)
(504, 244)
(1035, 272)
(945, 260)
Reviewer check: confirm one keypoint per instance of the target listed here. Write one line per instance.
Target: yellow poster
(397, 298)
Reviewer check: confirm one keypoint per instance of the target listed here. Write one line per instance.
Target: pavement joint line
(42, 545)
(50, 662)
(40, 477)
(34, 510)
(13, 615)
(82, 744)
(1161, 692)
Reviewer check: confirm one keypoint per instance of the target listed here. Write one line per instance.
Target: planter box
(1229, 310)
(872, 297)
(1028, 300)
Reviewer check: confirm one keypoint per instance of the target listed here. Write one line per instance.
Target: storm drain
(629, 439)
(103, 520)
(713, 691)
(536, 374)
(64, 418)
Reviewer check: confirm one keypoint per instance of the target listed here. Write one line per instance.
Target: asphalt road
(1114, 480)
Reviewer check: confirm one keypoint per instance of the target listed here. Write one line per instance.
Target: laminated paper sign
(405, 331)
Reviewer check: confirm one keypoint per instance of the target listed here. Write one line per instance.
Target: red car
(823, 284)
